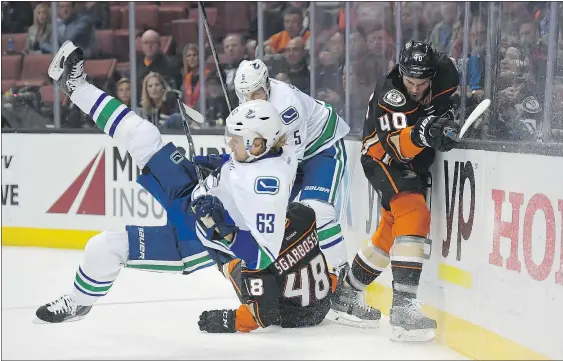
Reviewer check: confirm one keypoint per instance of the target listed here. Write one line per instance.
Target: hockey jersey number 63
(256, 196)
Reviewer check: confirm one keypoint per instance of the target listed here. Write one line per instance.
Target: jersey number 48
(313, 280)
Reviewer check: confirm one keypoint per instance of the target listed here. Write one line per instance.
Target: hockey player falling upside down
(409, 117)
(263, 250)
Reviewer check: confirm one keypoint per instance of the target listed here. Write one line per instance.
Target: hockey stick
(215, 57)
(475, 114)
(188, 133)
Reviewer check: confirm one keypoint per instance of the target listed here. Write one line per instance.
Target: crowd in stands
(168, 59)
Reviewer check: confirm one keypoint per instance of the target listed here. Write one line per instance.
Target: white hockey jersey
(256, 195)
(310, 125)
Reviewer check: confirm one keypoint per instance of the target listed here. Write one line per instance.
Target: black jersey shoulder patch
(394, 98)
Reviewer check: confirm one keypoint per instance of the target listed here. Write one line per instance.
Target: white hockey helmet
(251, 120)
(250, 77)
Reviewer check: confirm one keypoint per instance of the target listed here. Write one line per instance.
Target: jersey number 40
(399, 121)
(313, 280)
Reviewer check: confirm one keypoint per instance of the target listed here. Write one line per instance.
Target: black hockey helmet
(418, 59)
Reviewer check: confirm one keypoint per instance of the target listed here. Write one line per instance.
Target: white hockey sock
(331, 242)
(140, 137)
(105, 254)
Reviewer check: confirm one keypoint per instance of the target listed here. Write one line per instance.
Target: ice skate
(348, 306)
(63, 309)
(409, 324)
(67, 68)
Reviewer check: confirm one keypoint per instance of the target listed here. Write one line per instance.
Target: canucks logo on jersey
(289, 115)
(267, 185)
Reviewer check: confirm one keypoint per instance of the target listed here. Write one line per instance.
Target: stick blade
(194, 114)
(475, 114)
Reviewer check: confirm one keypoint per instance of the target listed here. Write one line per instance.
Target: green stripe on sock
(106, 113)
(327, 233)
(196, 261)
(340, 165)
(153, 267)
(90, 288)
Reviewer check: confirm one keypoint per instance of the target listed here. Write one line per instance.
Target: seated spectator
(297, 71)
(235, 52)
(154, 61)
(190, 87)
(381, 49)
(158, 100)
(476, 62)
(442, 33)
(17, 16)
(39, 34)
(216, 107)
(329, 71)
(123, 91)
(304, 6)
(78, 29)
(293, 27)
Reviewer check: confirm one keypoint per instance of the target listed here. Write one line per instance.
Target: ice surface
(150, 315)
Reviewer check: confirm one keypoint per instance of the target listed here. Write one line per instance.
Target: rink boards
(494, 275)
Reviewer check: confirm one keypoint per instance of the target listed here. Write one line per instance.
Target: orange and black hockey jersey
(392, 113)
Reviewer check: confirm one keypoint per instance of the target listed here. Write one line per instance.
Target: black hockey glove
(218, 321)
(438, 133)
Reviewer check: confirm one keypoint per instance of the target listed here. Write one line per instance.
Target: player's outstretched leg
(104, 256)
(140, 137)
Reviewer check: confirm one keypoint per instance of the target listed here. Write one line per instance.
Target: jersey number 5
(399, 121)
(321, 286)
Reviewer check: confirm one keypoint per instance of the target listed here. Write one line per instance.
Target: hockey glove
(211, 161)
(227, 321)
(438, 133)
(217, 321)
(211, 206)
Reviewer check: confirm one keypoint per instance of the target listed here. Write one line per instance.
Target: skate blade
(345, 319)
(56, 68)
(399, 334)
(39, 321)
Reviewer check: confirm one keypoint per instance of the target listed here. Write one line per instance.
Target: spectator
(155, 61)
(411, 21)
(39, 34)
(158, 100)
(273, 22)
(304, 6)
(78, 29)
(293, 27)
(358, 47)
(381, 49)
(123, 91)
(441, 35)
(191, 86)
(476, 63)
(216, 107)
(17, 16)
(456, 44)
(234, 54)
(329, 71)
(297, 71)
(430, 17)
